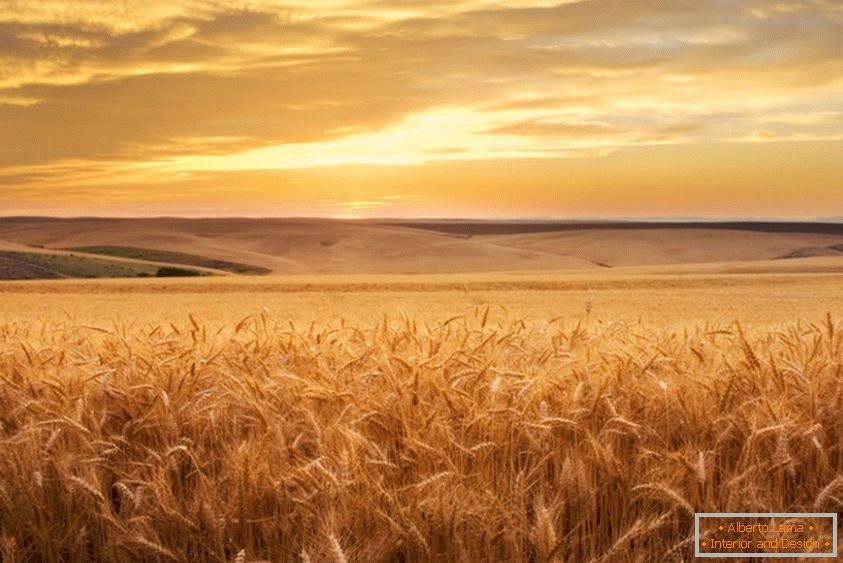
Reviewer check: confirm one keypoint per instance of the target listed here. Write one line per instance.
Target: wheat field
(479, 435)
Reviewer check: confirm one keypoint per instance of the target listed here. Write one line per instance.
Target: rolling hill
(325, 246)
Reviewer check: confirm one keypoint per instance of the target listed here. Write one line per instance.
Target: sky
(434, 108)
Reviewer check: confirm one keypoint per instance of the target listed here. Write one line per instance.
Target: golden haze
(473, 108)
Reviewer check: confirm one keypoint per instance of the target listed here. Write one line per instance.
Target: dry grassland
(502, 424)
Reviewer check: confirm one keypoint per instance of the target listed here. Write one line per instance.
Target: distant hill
(313, 246)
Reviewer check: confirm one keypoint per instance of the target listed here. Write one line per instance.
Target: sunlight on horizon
(490, 106)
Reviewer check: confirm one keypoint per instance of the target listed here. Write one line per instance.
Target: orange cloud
(112, 102)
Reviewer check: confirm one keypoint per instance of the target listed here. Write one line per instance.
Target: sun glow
(444, 134)
(139, 105)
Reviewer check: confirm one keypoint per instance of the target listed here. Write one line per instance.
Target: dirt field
(324, 246)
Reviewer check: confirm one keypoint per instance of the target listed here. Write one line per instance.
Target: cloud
(556, 129)
(121, 92)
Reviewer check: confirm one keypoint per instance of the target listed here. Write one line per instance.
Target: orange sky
(357, 108)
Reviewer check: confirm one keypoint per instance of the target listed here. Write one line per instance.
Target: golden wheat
(482, 437)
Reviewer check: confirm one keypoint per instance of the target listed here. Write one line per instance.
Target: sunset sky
(469, 108)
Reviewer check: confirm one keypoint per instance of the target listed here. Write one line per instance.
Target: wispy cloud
(112, 94)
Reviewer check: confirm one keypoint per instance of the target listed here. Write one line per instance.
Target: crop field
(549, 419)
(177, 258)
(27, 265)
